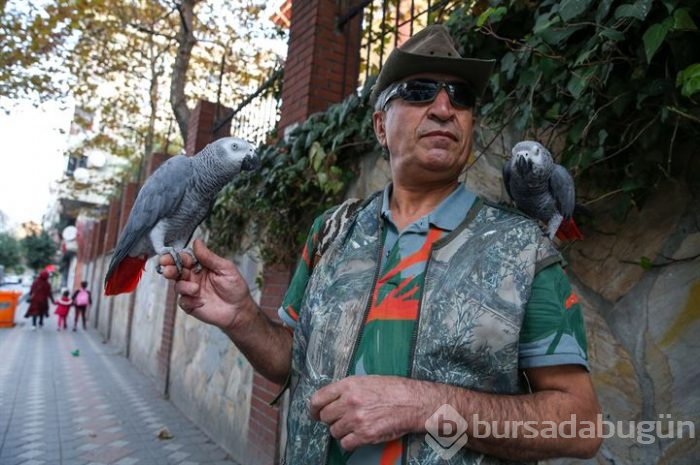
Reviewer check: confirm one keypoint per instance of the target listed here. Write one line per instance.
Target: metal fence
(387, 24)
(257, 114)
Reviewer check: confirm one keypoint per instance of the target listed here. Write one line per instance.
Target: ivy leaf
(312, 136)
(570, 9)
(556, 35)
(508, 64)
(603, 10)
(654, 37)
(316, 155)
(645, 263)
(682, 21)
(638, 10)
(492, 14)
(613, 35)
(579, 81)
(553, 113)
(689, 80)
(544, 22)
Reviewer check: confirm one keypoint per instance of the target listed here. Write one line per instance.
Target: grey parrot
(542, 189)
(171, 204)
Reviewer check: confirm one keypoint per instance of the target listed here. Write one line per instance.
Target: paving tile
(96, 410)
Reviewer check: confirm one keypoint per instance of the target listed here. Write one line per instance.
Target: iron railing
(386, 24)
(257, 115)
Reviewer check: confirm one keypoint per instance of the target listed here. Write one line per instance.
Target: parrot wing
(157, 199)
(561, 186)
(507, 170)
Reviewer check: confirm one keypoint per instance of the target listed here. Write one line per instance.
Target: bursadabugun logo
(447, 429)
(446, 432)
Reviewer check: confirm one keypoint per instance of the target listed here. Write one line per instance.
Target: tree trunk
(186, 41)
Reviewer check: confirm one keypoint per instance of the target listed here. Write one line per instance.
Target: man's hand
(362, 410)
(217, 294)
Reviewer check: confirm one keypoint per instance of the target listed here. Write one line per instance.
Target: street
(68, 399)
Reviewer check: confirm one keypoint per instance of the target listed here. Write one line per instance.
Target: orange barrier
(8, 304)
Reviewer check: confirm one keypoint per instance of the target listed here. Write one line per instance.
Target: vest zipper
(380, 250)
(414, 339)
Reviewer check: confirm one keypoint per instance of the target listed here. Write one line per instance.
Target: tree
(114, 55)
(39, 249)
(10, 252)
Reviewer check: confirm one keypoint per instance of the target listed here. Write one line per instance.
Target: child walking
(62, 308)
(82, 298)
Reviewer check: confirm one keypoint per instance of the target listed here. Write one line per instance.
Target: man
(426, 296)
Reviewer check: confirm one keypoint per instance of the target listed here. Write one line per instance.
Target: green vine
(614, 86)
(300, 176)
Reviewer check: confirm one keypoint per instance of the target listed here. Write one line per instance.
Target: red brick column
(100, 248)
(201, 126)
(112, 225)
(264, 425)
(322, 63)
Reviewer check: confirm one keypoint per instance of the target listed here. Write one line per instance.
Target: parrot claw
(159, 269)
(175, 253)
(197, 266)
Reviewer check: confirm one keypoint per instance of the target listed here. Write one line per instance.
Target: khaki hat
(432, 51)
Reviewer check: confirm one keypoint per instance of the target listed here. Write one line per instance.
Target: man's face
(427, 141)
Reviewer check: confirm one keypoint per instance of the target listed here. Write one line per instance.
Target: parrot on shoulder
(173, 201)
(542, 189)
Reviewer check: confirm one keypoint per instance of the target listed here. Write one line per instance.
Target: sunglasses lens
(461, 95)
(424, 90)
(419, 90)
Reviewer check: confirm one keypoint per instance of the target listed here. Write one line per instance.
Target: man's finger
(350, 442)
(186, 288)
(341, 428)
(170, 272)
(321, 398)
(331, 412)
(209, 259)
(166, 259)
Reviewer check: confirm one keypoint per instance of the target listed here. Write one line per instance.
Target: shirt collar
(447, 215)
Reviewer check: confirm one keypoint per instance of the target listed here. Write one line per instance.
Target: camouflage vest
(477, 283)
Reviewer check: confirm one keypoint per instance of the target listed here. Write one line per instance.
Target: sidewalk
(95, 408)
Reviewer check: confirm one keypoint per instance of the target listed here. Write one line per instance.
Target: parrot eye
(235, 146)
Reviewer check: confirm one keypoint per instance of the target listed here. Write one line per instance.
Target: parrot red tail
(568, 231)
(126, 276)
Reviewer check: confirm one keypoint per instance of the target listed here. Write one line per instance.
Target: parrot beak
(523, 165)
(250, 162)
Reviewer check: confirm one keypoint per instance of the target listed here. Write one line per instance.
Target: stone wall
(210, 380)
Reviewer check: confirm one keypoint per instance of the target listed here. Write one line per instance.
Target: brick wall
(322, 63)
(201, 126)
(127, 201)
(112, 225)
(263, 429)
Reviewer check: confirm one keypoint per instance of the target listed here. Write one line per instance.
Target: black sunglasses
(425, 90)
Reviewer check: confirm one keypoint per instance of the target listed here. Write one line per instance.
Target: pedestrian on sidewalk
(62, 308)
(39, 296)
(81, 299)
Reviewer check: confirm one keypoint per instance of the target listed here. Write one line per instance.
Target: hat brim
(401, 65)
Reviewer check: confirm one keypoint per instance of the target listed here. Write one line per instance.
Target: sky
(31, 157)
